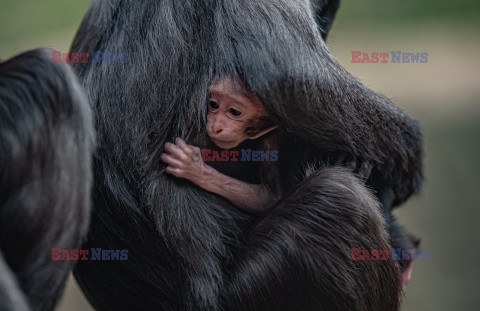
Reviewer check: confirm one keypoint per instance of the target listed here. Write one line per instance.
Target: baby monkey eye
(213, 105)
(235, 112)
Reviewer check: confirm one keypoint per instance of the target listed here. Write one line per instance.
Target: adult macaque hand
(185, 161)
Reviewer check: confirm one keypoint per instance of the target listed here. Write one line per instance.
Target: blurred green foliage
(394, 11)
(29, 17)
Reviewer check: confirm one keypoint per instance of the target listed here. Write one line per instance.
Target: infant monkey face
(234, 112)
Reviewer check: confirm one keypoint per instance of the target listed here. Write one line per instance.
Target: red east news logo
(382, 57)
(96, 254)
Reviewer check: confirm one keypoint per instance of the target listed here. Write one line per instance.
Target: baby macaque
(235, 114)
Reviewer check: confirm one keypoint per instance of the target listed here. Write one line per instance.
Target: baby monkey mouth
(223, 141)
(225, 144)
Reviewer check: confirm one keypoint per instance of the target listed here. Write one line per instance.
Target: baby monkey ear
(261, 133)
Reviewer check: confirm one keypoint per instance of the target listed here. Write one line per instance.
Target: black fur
(298, 255)
(324, 12)
(191, 250)
(46, 140)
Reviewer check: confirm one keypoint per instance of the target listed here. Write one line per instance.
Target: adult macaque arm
(185, 161)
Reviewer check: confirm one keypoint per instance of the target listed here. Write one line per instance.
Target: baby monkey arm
(185, 161)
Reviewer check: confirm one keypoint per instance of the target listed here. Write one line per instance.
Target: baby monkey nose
(216, 126)
(216, 129)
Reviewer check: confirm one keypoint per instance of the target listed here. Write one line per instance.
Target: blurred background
(442, 94)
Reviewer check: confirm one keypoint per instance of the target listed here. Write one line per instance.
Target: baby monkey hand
(185, 161)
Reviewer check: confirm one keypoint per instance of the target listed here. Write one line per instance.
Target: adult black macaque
(46, 142)
(192, 250)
